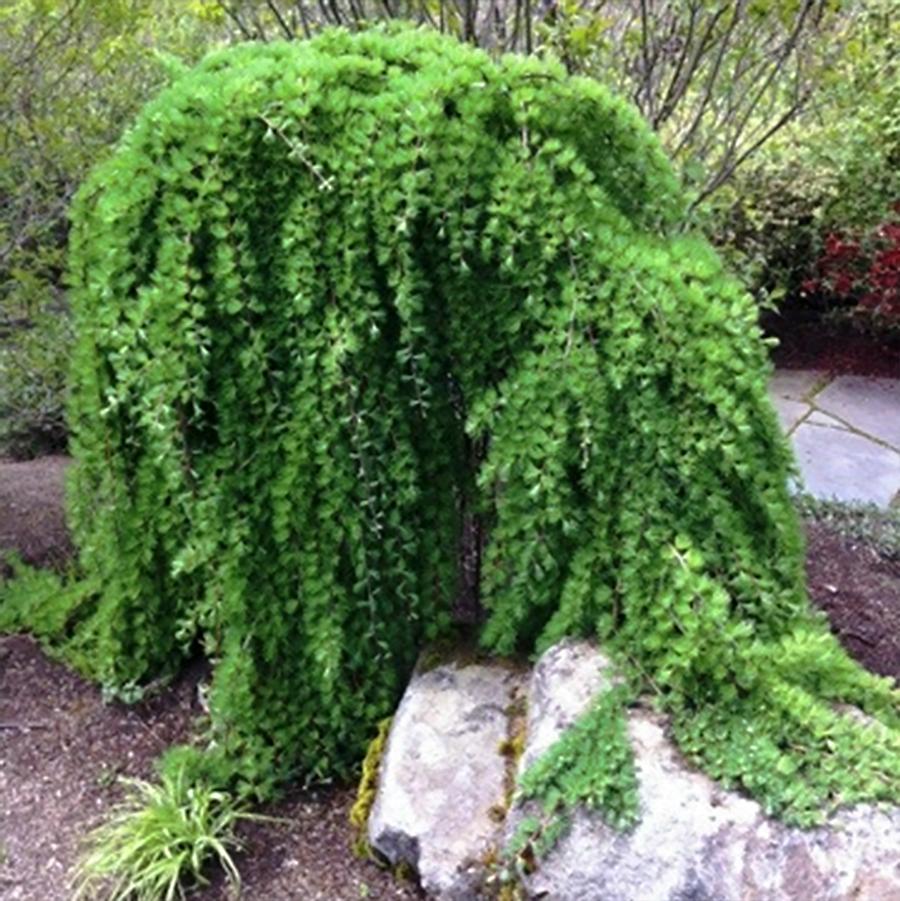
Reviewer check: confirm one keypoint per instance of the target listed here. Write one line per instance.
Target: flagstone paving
(845, 431)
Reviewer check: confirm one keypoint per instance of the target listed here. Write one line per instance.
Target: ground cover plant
(328, 296)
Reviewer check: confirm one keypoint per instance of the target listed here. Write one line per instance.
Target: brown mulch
(809, 340)
(859, 590)
(61, 747)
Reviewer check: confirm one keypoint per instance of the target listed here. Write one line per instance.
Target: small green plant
(591, 765)
(159, 840)
(46, 604)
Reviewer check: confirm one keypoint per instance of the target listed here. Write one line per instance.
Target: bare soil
(859, 590)
(61, 751)
(62, 747)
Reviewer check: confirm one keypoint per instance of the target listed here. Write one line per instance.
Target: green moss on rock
(368, 788)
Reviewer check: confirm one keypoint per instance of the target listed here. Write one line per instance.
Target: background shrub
(72, 74)
(862, 273)
(34, 364)
(834, 170)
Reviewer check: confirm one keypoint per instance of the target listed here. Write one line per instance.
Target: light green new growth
(331, 293)
(570, 775)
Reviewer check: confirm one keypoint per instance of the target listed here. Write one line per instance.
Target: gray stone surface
(442, 784)
(442, 778)
(563, 683)
(696, 841)
(869, 405)
(796, 384)
(845, 433)
(846, 466)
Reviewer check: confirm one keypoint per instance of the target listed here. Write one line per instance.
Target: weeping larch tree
(332, 294)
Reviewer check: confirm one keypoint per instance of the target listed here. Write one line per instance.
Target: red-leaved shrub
(862, 271)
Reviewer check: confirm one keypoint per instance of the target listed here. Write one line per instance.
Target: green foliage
(33, 371)
(591, 766)
(72, 74)
(41, 602)
(856, 135)
(835, 168)
(159, 840)
(312, 281)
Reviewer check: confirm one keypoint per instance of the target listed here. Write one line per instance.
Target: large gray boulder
(443, 784)
(442, 780)
(695, 841)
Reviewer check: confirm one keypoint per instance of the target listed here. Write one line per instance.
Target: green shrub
(72, 74)
(34, 362)
(311, 282)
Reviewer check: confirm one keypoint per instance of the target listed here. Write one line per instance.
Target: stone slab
(817, 417)
(443, 777)
(869, 405)
(790, 412)
(795, 384)
(844, 466)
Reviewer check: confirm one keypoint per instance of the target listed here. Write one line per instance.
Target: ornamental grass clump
(331, 294)
(159, 839)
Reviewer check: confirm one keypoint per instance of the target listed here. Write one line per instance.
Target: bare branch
(288, 31)
(235, 17)
(728, 171)
(304, 21)
(714, 73)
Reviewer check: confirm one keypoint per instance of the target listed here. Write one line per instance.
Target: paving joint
(848, 427)
(817, 388)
